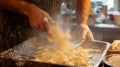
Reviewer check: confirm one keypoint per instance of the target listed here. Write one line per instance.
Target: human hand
(82, 32)
(39, 19)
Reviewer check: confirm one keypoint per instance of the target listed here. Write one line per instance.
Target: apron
(15, 28)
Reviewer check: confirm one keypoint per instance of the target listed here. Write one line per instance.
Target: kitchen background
(104, 18)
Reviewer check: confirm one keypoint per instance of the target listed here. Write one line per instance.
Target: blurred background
(104, 18)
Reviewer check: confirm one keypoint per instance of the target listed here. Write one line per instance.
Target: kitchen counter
(106, 32)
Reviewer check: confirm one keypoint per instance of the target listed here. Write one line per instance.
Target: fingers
(46, 24)
(41, 25)
(85, 33)
(51, 21)
(90, 36)
(35, 26)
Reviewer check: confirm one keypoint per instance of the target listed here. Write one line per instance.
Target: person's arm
(82, 13)
(82, 10)
(16, 5)
(36, 15)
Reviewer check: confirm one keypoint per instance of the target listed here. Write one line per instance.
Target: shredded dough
(63, 52)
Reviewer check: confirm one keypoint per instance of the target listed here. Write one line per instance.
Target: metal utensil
(78, 44)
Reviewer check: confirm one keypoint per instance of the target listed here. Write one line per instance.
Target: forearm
(82, 11)
(19, 6)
